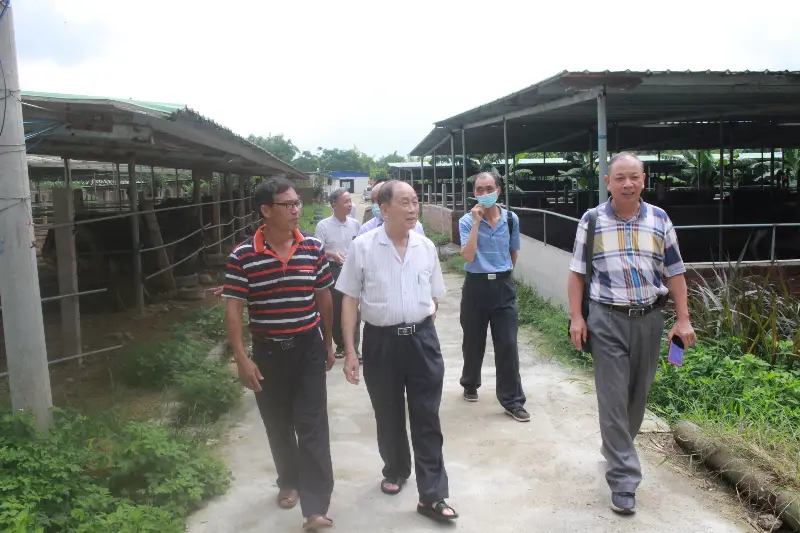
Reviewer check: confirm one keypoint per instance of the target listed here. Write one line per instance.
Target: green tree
(279, 146)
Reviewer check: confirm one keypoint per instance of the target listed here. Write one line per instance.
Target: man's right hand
(578, 331)
(351, 367)
(477, 213)
(249, 374)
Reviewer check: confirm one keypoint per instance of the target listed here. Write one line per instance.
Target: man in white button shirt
(336, 233)
(395, 275)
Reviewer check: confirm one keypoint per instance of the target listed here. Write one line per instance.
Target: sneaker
(623, 502)
(338, 354)
(519, 414)
(471, 395)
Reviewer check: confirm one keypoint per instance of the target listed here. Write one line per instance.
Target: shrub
(87, 476)
(208, 392)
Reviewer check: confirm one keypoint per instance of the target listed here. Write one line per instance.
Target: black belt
(403, 330)
(288, 344)
(493, 275)
(636, 311)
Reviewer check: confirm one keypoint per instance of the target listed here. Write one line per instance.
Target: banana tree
(584, 172)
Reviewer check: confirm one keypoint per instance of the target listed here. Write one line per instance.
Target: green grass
(307, 222)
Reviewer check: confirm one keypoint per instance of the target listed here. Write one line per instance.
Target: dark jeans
(492, 303)
(396, 367)
(293, 403)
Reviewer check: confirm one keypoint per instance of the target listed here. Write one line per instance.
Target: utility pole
(26, 352)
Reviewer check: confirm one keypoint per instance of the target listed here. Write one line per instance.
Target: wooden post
(177, 184)
(216, 233)
(240, 205)
(63, 211)
(229, 210)
(444, 195)
(118, 179)
(153, 181)
(133, 197)
(151, 220)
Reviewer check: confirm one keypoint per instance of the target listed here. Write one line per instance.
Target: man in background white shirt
(395, 274)
(336, 233)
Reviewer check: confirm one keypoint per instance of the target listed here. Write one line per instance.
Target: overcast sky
(374, 74)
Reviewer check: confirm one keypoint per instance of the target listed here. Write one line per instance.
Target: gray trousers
(626, 353)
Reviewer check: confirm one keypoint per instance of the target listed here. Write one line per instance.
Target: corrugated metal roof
(646, 110)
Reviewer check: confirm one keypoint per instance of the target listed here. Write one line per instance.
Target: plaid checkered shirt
(631, 258)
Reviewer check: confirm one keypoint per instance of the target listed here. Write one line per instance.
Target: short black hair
(335, 195)
(386, 192)
(267, 190)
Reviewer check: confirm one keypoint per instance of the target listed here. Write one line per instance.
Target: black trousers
(397, 367)
(493, 303)
(293, 403)
(338, 338)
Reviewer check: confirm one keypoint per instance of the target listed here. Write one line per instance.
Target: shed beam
(567, 101)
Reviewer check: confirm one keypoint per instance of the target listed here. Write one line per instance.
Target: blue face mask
(488, 200)
(376, 211)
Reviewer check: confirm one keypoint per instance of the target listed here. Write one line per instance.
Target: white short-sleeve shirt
(392, 291)
(336, 235)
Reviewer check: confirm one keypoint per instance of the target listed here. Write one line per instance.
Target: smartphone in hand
(676, 349)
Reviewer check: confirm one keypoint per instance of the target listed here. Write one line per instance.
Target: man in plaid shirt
(636, 263)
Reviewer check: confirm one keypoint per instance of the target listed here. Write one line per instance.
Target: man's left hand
(336, 257)
(331, 358)
(684, 330)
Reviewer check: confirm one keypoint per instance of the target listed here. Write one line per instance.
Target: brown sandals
(316, 522)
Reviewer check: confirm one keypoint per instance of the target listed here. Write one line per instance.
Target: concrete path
(544, 476)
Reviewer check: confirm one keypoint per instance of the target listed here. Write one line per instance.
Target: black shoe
(471, 395)
(519, 414)
(623, 502)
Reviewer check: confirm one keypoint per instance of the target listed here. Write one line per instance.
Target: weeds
(88, 476)
(205, 388)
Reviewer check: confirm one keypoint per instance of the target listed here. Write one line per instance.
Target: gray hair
(492, 175)
(386, 191)
(623, 155)
(336, 194)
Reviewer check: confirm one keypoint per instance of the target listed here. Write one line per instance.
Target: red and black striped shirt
(279, 295)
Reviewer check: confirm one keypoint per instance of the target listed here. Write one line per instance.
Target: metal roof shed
(576, 111)
(157, 134)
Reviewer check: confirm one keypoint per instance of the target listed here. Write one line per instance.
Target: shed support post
(433, 164)
(240, 208)
(64, 213)
(216, 220)
(67, 173)
(153, 193)
(197, 199)
(119, 187)
(772, 168)
(444, 195)
(506, 186)
(452, 169)
(153, 229)
(177, 184)
(463, 173)
(602, 147)
(422, 179)
(229, 210)
(721, 180)
(133, 198)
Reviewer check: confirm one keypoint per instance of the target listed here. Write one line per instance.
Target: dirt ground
(544, 476)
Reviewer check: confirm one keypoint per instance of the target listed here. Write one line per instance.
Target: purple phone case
(675, 355)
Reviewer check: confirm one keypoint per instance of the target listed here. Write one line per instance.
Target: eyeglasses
(289, 205)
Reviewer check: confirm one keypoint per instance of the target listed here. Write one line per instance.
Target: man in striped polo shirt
(283, 277)
(636, 265)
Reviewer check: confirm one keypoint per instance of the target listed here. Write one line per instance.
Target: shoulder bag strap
(510, 229)
(588, 250)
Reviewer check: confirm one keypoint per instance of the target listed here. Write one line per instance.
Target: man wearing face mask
(489, 245)
(377, 220)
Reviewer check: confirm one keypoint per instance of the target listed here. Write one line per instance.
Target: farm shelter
(117, 251)
(354, 182)
(591, 113)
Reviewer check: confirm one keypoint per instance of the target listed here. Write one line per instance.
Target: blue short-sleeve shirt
(494, 244)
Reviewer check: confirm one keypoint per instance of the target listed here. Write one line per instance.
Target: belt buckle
(491, 276)
(636, 312)
(407, 330)
(285, 345)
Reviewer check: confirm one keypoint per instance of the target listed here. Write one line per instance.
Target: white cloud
(373, 74)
